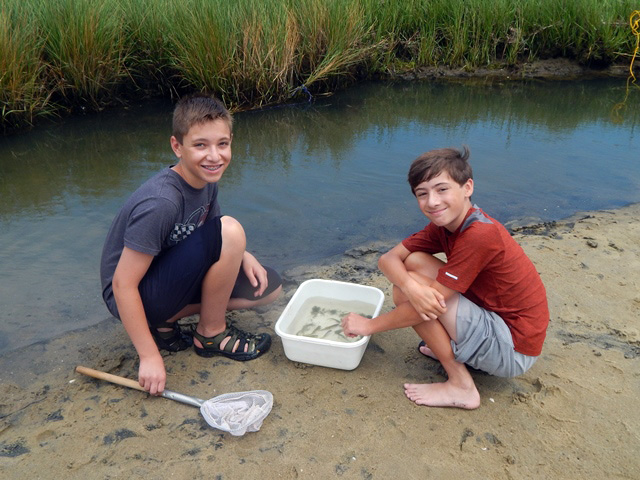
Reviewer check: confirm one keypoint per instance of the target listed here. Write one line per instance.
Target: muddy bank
(550, 69)
(573, 415)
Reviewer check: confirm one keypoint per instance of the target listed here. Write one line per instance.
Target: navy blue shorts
(174, 279)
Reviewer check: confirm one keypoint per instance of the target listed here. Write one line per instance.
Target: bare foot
(442, 395)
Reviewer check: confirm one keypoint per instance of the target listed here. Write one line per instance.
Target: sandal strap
(234, 334)
(164, 335)
(174, 340)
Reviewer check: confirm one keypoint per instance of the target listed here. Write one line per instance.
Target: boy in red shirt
(486, 307)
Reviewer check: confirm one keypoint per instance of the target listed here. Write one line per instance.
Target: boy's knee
(420, 278)
(233, 233)
(423, 263)
(416, 260)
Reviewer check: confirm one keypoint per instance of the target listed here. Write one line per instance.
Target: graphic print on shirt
(183, 230)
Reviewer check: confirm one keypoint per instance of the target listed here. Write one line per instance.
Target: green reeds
(148, 24)
(255, 52)
(86, 49)
(87, 54)
(22, 92)
(333, 38)
(244, 51)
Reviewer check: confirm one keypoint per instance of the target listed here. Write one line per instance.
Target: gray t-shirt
(157, 216)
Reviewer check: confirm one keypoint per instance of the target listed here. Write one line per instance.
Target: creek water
(307, 181)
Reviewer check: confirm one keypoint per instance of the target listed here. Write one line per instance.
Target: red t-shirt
(489, 267)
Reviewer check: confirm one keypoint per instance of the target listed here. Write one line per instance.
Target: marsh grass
(148, 26)
(22, 92)
(86, 49)
(88, 54)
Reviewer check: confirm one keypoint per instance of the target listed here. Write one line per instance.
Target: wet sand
(573, 415)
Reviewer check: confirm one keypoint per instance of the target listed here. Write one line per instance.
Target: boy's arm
(392, 265)
(131, 267)
(426, 295)
(426, 298)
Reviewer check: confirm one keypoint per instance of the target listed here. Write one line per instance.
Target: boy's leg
(459, 390)
(218, 285)
(219, 281)
(243, 294)
(175, 279)
(198, 276)
(404, 315)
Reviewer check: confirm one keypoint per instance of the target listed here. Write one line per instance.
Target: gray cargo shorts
(485, 342)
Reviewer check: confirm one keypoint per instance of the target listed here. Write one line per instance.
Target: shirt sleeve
(426, 240)
(473, 250)
(214, 206)
(149, 224)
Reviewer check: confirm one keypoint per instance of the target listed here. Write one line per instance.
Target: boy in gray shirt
(169, 253)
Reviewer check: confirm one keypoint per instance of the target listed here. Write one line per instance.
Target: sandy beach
(574, 415)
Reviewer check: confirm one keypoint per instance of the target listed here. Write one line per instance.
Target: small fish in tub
(321, 317)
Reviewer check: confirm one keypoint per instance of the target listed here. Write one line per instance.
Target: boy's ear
(468, 188)
(176, 146)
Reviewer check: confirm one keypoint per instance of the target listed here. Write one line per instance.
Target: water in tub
(321, 317)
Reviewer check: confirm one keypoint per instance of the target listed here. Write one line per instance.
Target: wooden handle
(125, 382)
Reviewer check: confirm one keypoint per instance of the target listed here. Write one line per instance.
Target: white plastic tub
(316, 351)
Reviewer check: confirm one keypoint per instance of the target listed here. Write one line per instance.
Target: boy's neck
(453, 228)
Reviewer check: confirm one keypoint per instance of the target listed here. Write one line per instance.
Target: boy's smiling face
(443, 201)
(204, 154)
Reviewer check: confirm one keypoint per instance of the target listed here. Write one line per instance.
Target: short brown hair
(434, 162)
(196, 109)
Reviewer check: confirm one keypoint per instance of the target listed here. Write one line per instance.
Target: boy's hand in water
(354, 325)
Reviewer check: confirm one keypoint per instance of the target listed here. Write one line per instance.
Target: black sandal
(174, 341)
(258, 344)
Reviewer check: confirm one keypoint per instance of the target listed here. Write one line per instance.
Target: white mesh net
(238, 413)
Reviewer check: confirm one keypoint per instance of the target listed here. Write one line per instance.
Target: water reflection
(308, 182)
(99, 156)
